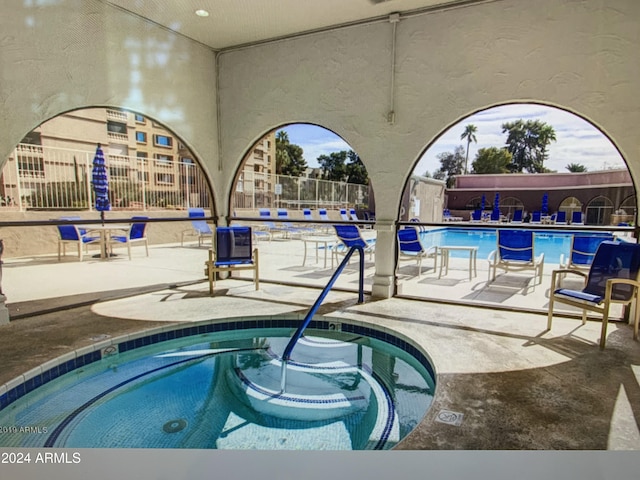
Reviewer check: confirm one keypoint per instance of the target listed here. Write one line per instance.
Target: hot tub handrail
(312, 311)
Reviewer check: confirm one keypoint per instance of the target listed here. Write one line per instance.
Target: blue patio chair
(536, 217)
(560, 218)
(354, 215)
(349, 236)
(199, 228)
(71, 234)
(343, 215)
(232, 252)
(495, 216)
(583, 250)
(137, 234)
(517, 216)
(515, 252)
(577, 218)
(410, 248)
(612, 279)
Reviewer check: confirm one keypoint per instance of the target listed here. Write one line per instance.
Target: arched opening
(293, 183)
(301, 166)
(570, 205)
(151, 172)
(537, 160)
(599, 211)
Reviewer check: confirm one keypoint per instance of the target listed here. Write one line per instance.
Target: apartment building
(147, 164)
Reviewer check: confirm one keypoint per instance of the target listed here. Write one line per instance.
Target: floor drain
(449, 417)
(174, 426)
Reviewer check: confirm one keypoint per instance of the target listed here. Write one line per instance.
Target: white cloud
(577, 141)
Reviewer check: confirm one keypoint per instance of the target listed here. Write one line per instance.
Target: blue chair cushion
(579, 295)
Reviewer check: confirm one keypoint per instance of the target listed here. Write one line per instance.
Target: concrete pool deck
(511, 384)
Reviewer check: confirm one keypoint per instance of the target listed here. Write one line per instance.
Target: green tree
(289, 156)
(470, 135)
(334, 166)
(527, 142)
(356, 171)
(492, 160)
(576, 167)
(451, 164)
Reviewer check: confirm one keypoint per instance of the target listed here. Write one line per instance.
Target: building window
(163, 159)
(162, 141)
(116, 127)
(33, 138)
(141, 137)
(164, 178)
(140, 119)
(143, 176)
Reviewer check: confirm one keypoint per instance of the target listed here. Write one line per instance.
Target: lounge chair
(410, 247)
(476, 216)
(349, 236)
(344, 216)
(577, 218)
(560, 218)
(536, 217)
(232, 252)
(612, 279)
(517, 216)
(71, 234)
(515, 252)
(137, 234)
(495, 216)
(289, 229)
(322, 213)
(199, 228)
(354, 215)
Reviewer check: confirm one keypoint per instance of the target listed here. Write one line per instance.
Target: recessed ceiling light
(202, 13)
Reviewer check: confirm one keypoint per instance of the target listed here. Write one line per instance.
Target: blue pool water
(220, 390)
(552, 244)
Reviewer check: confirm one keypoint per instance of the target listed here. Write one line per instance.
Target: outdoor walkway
(515, 385)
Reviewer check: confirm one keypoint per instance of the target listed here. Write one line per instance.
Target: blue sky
(577, 140)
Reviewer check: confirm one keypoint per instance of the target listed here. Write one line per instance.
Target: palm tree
(576, 167)
(470, 134)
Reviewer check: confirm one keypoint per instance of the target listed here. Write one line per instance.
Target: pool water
(552, 244)
(222, 391)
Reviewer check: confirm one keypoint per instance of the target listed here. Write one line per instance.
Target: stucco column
(383, 280)
(4, 311)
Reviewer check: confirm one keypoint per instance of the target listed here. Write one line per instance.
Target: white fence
(49, 178)
(259, 190)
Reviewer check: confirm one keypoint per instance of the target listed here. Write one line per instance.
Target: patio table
(105, 234)
(445, 254)
(325, 240)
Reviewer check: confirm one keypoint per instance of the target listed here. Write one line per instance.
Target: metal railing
(286, 355)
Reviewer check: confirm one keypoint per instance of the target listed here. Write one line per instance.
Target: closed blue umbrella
(484, 201)
(545, 204)
(496, 203)
(100, 183)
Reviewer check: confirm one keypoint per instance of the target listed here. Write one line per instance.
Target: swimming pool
(552, 244)
(217, 385)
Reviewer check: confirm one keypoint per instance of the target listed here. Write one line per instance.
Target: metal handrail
(312, 311)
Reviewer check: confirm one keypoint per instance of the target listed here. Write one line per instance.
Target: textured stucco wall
(70, 54)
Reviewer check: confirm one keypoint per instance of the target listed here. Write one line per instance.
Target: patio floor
(516, 385)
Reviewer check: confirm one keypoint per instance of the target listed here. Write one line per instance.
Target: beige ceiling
(239, 22)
